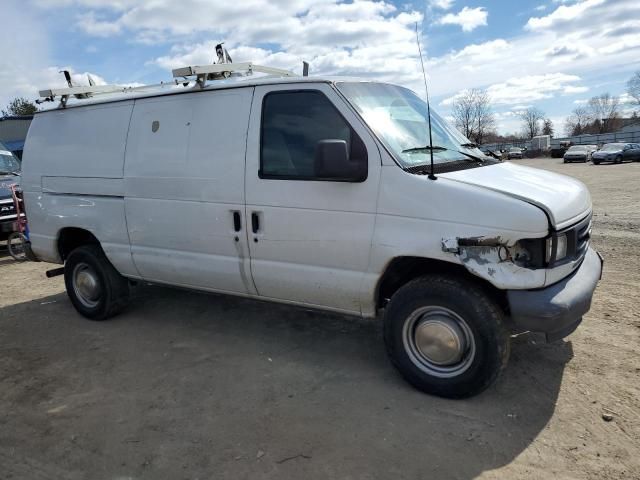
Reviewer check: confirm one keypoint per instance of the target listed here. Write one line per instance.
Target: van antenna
(426, 88)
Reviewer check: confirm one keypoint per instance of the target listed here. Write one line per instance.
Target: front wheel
(446, 336)
(94, 286)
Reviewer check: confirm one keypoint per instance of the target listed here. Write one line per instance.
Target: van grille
(583, 236)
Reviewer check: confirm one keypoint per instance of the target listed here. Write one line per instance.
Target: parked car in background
(617, 153)
(9, 176)
(514, 152)
(497, 154)
(577, 153)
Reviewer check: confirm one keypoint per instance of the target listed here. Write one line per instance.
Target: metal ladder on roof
(197, 75)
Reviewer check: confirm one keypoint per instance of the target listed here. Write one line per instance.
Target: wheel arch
(401, 270)
(70, 238)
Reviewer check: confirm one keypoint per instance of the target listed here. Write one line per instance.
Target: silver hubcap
(86, 285)
(439, 341)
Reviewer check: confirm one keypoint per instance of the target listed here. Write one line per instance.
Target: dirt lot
(189, 385)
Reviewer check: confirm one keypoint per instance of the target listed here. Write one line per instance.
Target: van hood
(564, 199)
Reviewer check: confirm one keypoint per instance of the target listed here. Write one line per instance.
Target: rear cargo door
(184, 189)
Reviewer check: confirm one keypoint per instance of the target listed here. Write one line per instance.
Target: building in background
(13, 131)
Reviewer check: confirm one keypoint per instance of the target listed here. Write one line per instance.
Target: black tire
(487, 340)
(618, 159)
(596, 162)
(112, 288)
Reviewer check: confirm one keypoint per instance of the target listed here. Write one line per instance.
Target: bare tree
(578, 122)
(547, 127)
(531, 118)
(473, 115)
(633, 87)
(605, 112)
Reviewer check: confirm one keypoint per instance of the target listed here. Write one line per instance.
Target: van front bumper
(557, 310)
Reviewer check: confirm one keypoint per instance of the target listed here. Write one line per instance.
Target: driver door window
(292, 125)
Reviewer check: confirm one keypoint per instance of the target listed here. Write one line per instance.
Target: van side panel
(72, 177)
(184, 179)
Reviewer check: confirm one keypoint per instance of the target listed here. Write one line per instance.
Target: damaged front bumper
(557, 310)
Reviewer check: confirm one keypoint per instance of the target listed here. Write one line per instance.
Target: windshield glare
(399, 118)
(8, 162)
(612, 147)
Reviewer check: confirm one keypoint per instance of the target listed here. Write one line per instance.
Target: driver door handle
(255, 222)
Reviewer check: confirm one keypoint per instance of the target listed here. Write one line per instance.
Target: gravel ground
(190, 385)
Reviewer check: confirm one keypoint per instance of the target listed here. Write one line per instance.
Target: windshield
(612, 147)
(399, 118)
(577, 149)
(8, 162)
(515, 150)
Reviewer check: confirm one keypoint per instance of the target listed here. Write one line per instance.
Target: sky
(550, 54)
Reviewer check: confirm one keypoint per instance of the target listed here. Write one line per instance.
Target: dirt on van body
(190, 385)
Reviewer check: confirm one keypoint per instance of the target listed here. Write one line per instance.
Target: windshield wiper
(469, 145)
(435, 148)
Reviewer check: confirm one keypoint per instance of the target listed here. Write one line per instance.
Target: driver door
(309, 238)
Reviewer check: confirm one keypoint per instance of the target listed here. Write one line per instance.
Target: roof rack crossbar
(220, 68)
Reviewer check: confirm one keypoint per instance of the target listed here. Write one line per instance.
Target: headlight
(560, 247)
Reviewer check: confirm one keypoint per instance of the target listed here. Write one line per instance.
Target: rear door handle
(255, 222)
(237, 225)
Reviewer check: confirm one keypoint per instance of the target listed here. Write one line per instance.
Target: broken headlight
(541, 252)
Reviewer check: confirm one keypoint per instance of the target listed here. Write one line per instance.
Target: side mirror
(332, 162)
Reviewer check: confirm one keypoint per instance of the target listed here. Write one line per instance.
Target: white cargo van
(314, 192)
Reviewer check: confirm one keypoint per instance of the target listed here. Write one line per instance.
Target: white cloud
(530, 88)
(568, 52)
(562, 14)
(518, 91)
(571, 90)
(468, 18)
(442, 4)
(484, 51)
(365, 38)
(88, 23)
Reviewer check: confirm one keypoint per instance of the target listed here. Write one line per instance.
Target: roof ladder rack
(84, 92)
(221, 71)
(201, 73)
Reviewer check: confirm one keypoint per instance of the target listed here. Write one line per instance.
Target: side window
(292, 125)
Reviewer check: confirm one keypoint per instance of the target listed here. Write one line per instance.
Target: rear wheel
(445, 336)
(94, 286)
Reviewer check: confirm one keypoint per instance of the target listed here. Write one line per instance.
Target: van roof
(171, 89)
